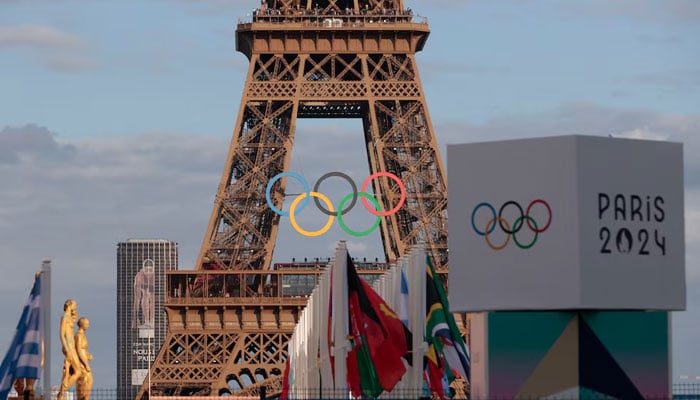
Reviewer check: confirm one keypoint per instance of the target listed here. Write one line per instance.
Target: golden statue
(81, 346)
(72, 368)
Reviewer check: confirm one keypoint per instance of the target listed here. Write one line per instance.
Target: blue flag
(23, 358)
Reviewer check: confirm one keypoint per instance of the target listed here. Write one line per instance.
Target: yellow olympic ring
(488, 227)
(293, 220)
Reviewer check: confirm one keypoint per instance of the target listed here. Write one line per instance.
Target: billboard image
(144, 300)
(141, 317)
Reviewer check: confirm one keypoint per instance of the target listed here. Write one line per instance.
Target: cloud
(237, 64)
(668, 11)
(70, 63)
(219, 7)
(461, 68)
(642, 133)
(577, 118)
(38, 36)
(118, 188)
(57, 50)
(31, 142)
(355, 248)
(679, 81)
(692, 234)
(72, 203)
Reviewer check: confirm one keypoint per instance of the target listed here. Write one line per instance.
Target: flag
(331, 327)
(404, 298)
(288, 378)
(379, 340)
(211, 281)
(435, 375)
(24, 357)
(444, 339)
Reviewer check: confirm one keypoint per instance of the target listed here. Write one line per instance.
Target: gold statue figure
(81, 346)
(72, 368)
(76, 367)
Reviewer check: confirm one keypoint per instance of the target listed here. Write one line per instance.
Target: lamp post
(46, 322)
(149, 367)
(150, 330)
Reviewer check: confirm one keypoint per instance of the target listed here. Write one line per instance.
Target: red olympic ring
(529, 223)
(402, 188)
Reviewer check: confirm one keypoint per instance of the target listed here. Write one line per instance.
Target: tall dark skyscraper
(141, 318)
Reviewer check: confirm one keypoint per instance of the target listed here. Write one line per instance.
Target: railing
(239, 287)
(681, 391)
(228, 301)
(333, 20)
(686, 391)
(286, 284)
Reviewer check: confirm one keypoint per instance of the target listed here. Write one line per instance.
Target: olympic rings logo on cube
(318, 197)
(523, 220)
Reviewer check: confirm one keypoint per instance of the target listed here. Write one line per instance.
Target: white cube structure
(566, 223)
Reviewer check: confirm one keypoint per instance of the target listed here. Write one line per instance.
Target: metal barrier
(681, 391)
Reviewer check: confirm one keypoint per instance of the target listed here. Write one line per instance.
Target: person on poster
(144, 288)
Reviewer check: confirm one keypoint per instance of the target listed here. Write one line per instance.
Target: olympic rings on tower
(319, 198)
(522, 220)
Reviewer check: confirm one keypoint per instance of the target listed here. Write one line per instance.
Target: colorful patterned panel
(596, 354)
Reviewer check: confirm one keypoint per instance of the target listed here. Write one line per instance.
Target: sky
(115, 119)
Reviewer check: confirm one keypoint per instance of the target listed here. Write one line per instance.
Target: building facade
(141, 317)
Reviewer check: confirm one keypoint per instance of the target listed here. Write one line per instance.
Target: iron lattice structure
(230, 319)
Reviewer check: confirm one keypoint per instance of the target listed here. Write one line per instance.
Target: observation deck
(301, 30)
(287, 284)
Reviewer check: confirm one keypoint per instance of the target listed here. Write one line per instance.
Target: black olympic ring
(517, 225)
(354, 193)
(515, 229)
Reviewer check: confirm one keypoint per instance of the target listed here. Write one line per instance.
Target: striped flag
(24, 358)
(403, 311)
(442, 334)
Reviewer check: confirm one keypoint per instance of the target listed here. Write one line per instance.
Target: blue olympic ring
(307, 189)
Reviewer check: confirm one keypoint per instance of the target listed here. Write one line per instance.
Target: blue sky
(115, 118)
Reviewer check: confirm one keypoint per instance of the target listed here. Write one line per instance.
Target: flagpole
(325, 370)
(403, 304)
(340, 311)
(417, 284)
(46, 324)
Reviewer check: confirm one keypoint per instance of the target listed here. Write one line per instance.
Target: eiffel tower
(229, 319)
